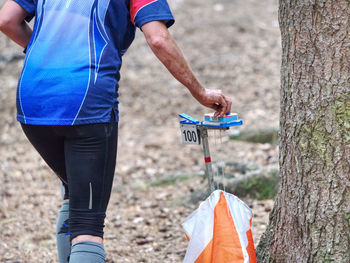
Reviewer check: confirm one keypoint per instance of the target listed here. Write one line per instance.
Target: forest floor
(233, 45)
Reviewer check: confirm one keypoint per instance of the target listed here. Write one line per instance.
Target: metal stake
(204, 136)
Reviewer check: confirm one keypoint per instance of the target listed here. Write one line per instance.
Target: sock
(87, 252)
(62, 234)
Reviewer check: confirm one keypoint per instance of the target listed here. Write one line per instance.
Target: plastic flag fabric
(219, 231)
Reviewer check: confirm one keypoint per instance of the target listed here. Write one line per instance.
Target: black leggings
(84, 158)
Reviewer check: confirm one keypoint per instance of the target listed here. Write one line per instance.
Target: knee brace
(63, 234)
(87, 252)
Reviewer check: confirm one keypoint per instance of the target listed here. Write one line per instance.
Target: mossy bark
(310, 220)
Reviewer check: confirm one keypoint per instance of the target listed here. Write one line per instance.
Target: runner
(67, 98)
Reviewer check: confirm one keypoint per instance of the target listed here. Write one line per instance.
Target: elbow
(5, 23)
(159, 42)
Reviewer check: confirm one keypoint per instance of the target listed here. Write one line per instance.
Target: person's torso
(71, 70)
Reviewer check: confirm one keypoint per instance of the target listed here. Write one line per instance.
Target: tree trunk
(311, 218)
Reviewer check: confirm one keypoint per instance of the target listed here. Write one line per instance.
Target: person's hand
(215, 100)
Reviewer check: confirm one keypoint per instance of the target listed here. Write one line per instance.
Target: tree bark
(310, 221)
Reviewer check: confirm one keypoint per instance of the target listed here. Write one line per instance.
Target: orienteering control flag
(219, 231)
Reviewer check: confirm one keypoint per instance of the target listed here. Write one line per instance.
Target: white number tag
(189, 134)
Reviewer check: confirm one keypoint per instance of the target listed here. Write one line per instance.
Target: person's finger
(217, 113)
(229, 104)
(227, 108)
(217, 107)
(223, 104)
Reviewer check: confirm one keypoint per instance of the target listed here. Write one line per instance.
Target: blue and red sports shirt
(71, 69)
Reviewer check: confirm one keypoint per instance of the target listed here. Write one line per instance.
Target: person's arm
(13, 24)
(167, 51)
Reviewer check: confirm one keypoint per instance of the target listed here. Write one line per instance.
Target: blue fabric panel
(155, 11)
(29, 6)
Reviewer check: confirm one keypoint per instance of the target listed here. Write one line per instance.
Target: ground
(233, 45)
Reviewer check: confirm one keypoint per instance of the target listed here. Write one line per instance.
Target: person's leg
(49, 145)
(62, 228)
(51, 148)
(90, 152)
(63, 234)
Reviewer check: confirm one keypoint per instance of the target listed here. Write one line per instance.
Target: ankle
(90, 238)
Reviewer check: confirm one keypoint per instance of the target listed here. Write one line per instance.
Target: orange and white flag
(219, 231)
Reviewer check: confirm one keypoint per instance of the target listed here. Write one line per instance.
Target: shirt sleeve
(29, 6)
(143, 11)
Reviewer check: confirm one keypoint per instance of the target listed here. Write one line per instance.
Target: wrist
(198, 91)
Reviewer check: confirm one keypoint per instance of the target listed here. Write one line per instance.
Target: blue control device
(227, 121)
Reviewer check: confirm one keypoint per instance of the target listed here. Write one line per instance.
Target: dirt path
(231, 45)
